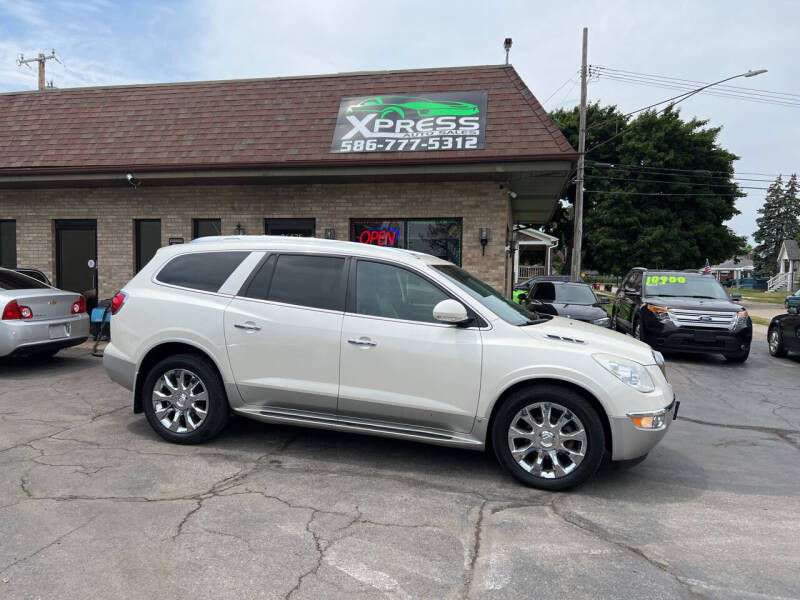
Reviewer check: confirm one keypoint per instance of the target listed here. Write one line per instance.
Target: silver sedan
(37, 318)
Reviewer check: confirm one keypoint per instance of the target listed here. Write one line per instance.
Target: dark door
(76, 257)
(293, 227)
(791, 332)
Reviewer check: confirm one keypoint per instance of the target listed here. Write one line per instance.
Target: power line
(570, 78)
(649, 194)
(699, 171)
(744, 187)
(694, 81)
(720, 94)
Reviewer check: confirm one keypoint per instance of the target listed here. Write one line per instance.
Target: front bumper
(20, 337)
(665, 336)
(629, 441)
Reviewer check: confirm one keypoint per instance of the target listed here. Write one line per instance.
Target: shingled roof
(284, 122)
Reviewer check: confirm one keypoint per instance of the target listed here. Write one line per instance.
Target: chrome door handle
(247, 326)
(362, 342)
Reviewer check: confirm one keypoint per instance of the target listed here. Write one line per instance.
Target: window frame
(476, 322)
(342, 292)
(137, 237)
(405, 221)
(197, 220)
(14, 221)
(310, 220)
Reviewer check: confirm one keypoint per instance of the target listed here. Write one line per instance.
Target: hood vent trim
(561, 338)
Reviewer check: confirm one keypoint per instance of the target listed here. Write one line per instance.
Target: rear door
(398, 364)
(283, 332)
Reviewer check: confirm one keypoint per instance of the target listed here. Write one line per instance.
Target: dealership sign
(405, 123)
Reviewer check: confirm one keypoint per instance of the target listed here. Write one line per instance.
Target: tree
(779, 221)
(660, 199)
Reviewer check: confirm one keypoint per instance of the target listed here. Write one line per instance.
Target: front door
(398, 364)
(283, 333)
(76, 258)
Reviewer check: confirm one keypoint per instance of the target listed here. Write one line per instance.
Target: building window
(8, 244)
(439, 237)
(148, 240)
(293, 227)
(206, 227)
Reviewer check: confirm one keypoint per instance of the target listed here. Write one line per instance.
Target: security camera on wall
(133, 181)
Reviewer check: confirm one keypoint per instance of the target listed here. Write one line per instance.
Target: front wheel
(548, 437)
(775, 342)
(738, 357)
(184, 400)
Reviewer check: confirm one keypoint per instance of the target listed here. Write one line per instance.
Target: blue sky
(106, 42)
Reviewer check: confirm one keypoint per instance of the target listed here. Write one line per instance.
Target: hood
(693, 303)
(596, 339)
(582, 312)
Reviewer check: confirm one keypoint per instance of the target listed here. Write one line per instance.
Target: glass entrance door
(76, 258)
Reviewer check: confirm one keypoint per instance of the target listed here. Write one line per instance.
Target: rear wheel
(775, 342)
(548, 437)
(184, 400)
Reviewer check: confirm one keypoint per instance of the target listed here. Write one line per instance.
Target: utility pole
(41, 59)
(577, 232)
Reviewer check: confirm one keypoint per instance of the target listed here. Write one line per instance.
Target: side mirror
(450, 311)
(604, 300)
(736, 297)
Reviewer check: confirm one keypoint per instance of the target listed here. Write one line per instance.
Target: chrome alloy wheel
(774, 341)
(547, 440)
(180, 400)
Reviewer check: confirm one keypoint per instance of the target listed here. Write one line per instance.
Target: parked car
(783, 335)
(568, 299)
(524, 287)
(792, 301)
(395, 343)
(682, 311)
(35, 273)
(37, 318)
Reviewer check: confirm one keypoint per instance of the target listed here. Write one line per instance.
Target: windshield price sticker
(663, 280)
(395, 123)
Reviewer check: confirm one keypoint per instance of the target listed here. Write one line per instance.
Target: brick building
(106, 175)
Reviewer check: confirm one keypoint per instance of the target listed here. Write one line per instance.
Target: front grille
(702, 318)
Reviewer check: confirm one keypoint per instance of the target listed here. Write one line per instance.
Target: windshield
(10, 280)
(687, 287)
(568, 293)
(488, 296)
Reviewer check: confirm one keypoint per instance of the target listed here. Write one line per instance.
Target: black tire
(573, 402)
(738, 357)
(777, 349)
(216, 405)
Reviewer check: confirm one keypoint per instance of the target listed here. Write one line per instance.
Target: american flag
(707, 268)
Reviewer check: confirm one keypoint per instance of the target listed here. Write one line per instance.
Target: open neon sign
(380, 236)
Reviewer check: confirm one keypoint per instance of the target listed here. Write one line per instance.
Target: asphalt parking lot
(94, 505)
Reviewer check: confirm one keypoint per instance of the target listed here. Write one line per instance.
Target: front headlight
(602, 322)
(627, 371)
(741, 318)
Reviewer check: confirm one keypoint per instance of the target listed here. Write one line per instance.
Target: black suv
(682, 312)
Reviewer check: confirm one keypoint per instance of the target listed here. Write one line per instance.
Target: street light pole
(577, 232)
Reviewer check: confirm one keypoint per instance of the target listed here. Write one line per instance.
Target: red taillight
(79, 306)
(117, 301)
(14, 311)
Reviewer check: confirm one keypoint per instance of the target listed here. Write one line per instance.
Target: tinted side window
(386, 291)
(205, 271)
(636, 281)
(315, 281)
(257, 285)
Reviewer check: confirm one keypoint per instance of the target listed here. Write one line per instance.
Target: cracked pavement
(95, 505)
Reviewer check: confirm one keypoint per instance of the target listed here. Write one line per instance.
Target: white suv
(380, 341)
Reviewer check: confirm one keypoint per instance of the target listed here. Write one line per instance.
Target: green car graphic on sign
(400, 106)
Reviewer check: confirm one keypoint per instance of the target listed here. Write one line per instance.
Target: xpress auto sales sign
(400, 123)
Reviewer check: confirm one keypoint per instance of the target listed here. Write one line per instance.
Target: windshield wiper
(709, 297)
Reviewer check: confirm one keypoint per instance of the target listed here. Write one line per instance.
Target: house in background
(788, 268)
(733, 268)
(534, 255)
